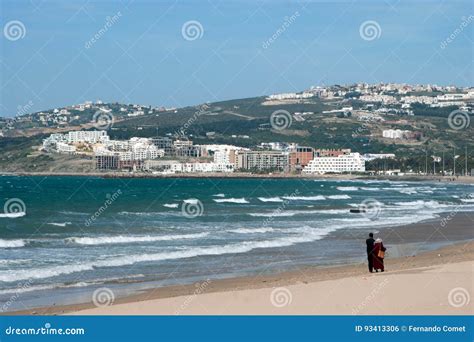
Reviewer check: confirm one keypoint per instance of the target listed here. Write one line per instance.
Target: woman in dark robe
(378, 255)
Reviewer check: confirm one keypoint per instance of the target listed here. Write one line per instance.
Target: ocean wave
(59, 224)
(347, 188)
(421, 203)
(12, 215)
(12, 243)
(231, 200)
(219, 195)
(339, 197)
(237, 248)
(191, 201)
(273, 214)
(171, 205)
(305, 198)
(270, 199)
(252, 230)
(105, 240)
(467, 200)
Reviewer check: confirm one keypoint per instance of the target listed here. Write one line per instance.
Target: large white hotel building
(350, 162)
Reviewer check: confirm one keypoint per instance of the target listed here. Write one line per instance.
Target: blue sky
(144, 58)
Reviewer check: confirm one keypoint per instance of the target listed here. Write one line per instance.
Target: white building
(87, 136)
(352, 162)
(394, 133)
(65, 148)
(200, 167)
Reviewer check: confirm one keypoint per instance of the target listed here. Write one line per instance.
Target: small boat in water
(357, 211)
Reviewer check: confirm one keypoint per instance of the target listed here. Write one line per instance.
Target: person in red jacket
(378, 255)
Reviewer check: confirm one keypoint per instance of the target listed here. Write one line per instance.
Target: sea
(62, 238)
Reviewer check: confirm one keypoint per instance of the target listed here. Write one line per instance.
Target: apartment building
(262, 160)
(352, 162)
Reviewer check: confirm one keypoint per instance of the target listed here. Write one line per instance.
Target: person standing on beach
(378, 255)
(370, 248)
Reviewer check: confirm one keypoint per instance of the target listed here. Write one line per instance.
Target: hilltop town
(359, 128)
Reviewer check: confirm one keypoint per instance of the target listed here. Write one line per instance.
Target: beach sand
(434, 282)
(418, 291)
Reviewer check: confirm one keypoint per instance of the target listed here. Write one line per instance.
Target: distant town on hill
(359, 128)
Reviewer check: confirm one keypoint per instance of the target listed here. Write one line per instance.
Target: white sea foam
(252, 230)
(347, 188)
(339, 197)
(12, 243)
(467, 200)
(274, 214)
(231, 200)
(270, 199)
(131, 239)
(237, 248)
(171, 205)
(12, 215)
(59, 224)
(191, 201)
(219, 195)
(305, 198)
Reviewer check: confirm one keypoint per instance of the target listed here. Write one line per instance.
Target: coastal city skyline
(272, 47)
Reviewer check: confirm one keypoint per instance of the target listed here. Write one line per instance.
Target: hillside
(248, 122)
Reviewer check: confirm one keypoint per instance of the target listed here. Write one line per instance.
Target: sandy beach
(437, 282)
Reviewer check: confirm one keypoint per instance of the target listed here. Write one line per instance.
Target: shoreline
(450, 256)
(244, 175)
